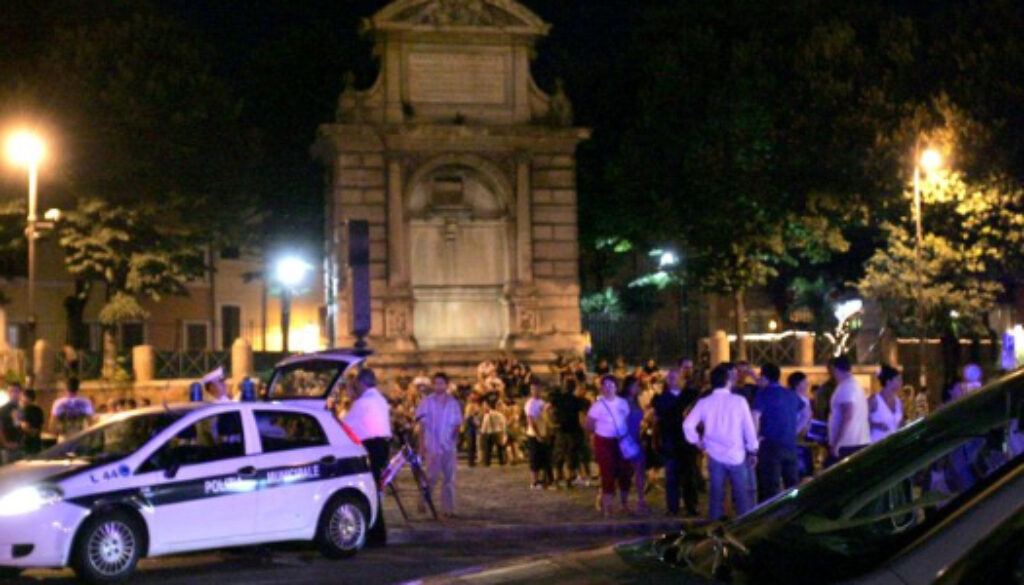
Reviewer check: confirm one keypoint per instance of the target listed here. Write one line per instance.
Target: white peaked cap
(213, 376)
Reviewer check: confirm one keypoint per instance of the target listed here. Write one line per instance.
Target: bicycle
(406, 456)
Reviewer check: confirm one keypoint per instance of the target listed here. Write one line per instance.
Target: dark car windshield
(865, 510)
(114, 439)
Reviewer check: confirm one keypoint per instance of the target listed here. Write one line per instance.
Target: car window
(213, 438)
(282, 431)
(310, 379)
(115, 439)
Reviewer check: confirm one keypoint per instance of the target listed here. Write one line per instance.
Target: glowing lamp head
(291, 270)
(668, 259)
(931, 160)
(25, 149)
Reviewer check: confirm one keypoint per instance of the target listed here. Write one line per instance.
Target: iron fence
(88, 365)
(175, 365)
(635, 338)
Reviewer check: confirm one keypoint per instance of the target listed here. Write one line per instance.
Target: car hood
(29, 472)
(630, 562)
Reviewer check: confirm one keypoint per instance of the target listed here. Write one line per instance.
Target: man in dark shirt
(776, 409)
(31, 423)
(670, 408)
(569, 437)
(747, 382)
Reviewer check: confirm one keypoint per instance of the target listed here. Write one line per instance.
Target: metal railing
(174, 365)
(636, 339)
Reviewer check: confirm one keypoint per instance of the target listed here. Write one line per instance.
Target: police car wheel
(108, 547)
(10, 572)
(343, 527)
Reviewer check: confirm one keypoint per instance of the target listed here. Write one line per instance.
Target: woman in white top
(607, 420)
(885, 408)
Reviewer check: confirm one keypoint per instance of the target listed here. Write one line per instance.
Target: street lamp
(289, 271)
(25, 149)
(929, 160)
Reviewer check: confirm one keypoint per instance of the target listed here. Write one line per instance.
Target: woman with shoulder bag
(607, 420)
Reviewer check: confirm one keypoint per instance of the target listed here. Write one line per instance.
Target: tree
(134, 253)
(965, 257)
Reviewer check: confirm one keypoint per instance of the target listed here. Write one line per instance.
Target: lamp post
(26, 150)
(929, 160)
(289, 272)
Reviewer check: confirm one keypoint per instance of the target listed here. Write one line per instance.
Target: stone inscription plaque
(457, 78)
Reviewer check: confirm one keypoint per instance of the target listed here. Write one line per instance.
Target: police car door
(294, 463)
(201, 487)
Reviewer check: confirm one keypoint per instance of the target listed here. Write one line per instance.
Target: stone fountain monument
(465, 171)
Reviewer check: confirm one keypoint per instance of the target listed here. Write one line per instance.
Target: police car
(189, 477)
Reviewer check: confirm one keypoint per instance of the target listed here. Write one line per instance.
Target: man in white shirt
(439, 418)
(848, 427)
(729, 440)
(213, 383)
(369, 418)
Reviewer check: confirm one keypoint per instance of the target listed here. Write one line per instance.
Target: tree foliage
(136, 253)
(774, 142)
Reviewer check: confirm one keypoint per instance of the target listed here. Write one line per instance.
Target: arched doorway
(459, 252)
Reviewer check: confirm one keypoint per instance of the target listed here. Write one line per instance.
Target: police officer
(213, 383)
(369, 418)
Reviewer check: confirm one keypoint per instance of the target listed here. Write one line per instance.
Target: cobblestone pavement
(498, 500)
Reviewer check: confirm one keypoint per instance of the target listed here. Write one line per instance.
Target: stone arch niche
(459, 221)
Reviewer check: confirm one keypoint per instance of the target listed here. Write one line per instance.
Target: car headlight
(29, 499)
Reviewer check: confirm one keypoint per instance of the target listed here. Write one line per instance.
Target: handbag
(628, 446)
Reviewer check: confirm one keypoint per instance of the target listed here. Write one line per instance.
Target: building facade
(232, 301)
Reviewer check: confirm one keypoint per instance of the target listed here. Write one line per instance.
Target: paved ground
(498, 517)
(498, 500)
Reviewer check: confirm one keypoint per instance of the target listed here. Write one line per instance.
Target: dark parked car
(906, 511)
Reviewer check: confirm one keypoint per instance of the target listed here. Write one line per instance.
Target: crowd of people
(618, 427)
(24, 424)
(626, 428)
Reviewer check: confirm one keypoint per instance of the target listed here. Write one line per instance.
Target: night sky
(286, 62)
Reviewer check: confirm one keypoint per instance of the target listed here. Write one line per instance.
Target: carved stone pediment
(500, 14)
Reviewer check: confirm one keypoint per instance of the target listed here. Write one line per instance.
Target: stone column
(398, 253)
(805, 350)
(524, 222)
(144, 363)
(398, 306)
(719, 348)
(241, 360)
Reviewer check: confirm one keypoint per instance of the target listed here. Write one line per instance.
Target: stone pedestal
(241, 359)
(719, 347)
(144, 363)
(44, 363)
(805, 350)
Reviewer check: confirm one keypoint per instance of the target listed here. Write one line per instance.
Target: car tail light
(350, 433)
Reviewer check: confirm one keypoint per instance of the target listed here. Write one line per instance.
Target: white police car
(187, 477)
